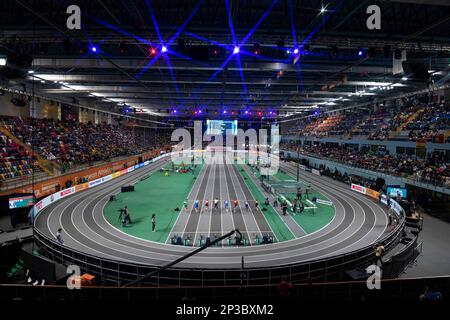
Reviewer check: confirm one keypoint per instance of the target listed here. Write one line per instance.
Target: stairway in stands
(402, 127)
(46, 165)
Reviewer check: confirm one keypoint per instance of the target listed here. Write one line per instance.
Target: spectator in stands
(71, 143)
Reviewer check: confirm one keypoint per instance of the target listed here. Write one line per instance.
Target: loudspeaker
(127, 188)
(416, 71)
(18, 102)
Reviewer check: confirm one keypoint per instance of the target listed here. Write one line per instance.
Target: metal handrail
(365, 255)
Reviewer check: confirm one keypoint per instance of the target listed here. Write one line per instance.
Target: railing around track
(117, 272)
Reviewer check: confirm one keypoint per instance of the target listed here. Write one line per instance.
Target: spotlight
(296, 51)
(164, 49)
(322, 10)
(30, 71)
(288, 51)
(360, 52)
(153, 51)
(236, 50)
(199, 111)
(93, 49)
(215, 51)
(259, 113)
(256, 49)
(246, 112)
(404, 78)
(224, 112)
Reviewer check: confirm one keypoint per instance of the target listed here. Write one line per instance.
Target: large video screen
(220, 127)
(21, 202)
(394, 191)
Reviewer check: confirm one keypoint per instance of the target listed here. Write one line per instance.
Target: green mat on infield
(308, 220)
(157, 194)
(273, 218)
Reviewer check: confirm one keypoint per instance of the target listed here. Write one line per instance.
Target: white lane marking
(189, 207)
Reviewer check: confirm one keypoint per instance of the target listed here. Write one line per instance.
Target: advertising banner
(358, 188)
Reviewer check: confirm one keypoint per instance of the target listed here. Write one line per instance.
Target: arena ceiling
(167, 56)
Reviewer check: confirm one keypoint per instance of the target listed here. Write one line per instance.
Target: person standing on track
(185, 204)
(216, 203)
(236, 203)
(275, 202)
(153, 222)
(284, 207)
(247, 206)
(126, 218)
(256, 204)
(59, 237)
(225, 204)
(196, 205)
(206, 204)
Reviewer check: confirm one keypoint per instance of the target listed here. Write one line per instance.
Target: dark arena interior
(207, 150)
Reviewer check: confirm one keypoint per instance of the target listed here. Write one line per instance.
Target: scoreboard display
(221, 127)
(21, 202)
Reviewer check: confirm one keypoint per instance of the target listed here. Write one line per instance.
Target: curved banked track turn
(92, 243)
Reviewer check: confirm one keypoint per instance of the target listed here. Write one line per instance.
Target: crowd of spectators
(15, 161)
(71, 143)
(419, 120)
(434, 169)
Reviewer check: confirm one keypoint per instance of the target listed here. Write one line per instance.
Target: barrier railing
(117, 272)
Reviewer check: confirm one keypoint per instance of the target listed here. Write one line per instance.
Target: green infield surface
(158, 194)
(161, 195)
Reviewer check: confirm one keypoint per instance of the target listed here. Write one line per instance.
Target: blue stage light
(236, 50)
